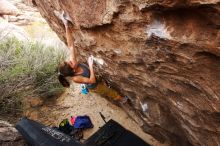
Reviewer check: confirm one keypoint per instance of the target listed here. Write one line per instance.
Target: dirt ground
(72, 103)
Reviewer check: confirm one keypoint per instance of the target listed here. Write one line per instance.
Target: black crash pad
(37, 134)
(111, 134)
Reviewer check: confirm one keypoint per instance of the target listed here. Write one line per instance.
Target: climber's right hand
(90, 61)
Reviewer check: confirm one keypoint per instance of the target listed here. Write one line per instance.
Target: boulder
(9, 136)
(7, 8)
(164, 55)
(11, 30)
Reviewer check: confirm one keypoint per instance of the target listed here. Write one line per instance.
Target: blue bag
(83, 122)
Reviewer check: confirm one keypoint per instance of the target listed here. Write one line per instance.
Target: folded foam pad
(113, 134)
(37, 134)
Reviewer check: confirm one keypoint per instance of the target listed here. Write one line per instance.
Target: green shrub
(27, 69)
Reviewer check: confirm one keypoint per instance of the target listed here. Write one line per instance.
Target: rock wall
(28, 13)
(6, 8)
(164, 55)
(9, 136)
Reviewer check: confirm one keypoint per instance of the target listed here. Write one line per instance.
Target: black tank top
(86, 73)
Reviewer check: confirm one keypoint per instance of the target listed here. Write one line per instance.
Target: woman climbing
(81, 73)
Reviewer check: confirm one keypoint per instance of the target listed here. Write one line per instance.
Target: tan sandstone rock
(9, 136)
(164, 55)
(7, 8)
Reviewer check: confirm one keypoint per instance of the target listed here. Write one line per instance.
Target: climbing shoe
(124, 100)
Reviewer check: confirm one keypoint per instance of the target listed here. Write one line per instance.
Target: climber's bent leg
(105, 91)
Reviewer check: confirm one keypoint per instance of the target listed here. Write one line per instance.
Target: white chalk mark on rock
(144, 107)
(158, 29)
(118, 51)
(98, 60)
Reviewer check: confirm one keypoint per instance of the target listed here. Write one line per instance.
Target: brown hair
(65, 70)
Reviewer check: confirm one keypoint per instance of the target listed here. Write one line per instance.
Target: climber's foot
(124, 100)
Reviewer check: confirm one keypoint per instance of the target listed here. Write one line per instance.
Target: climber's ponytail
(65, 70)
(63, 81)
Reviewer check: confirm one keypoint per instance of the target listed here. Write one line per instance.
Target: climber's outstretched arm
(70, 41)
